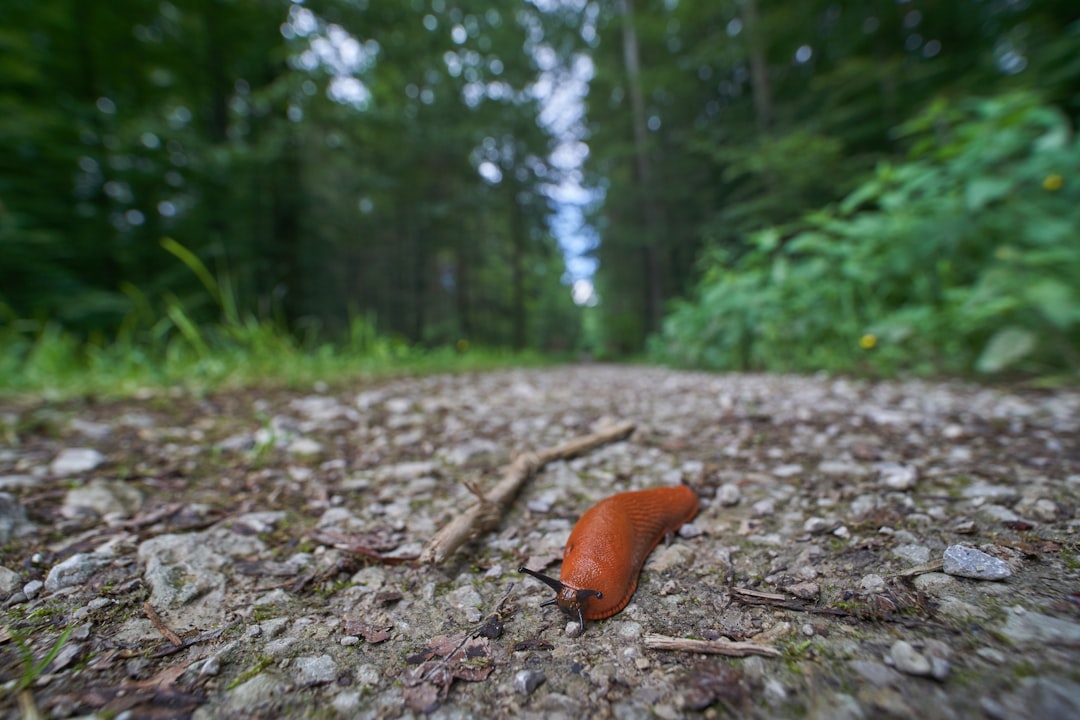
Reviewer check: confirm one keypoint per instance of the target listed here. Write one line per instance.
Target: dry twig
(484, 515)
(932, 566)
(711, 647)
(160, 624)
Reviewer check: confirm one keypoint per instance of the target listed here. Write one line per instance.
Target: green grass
(165, 347)
(55, 364)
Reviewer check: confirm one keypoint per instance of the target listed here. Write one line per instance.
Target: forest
(881, 187)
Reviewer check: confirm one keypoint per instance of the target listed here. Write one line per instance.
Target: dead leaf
(445, 659)
(369, 631)
(423, 698)
(716, 683)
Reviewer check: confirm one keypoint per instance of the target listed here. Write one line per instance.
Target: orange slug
(608, 546)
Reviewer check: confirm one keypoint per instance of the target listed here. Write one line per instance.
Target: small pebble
(689, 531)
(971, 563)
(728, 494)
(816, 525)
(71, 461)
(896, 476)
(526, 681)
(763, 508)
(804, 590)
(211, 666)
(349, 640)
(908, 660)
(32, 588)
(872, 583)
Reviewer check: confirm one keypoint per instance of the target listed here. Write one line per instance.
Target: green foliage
(32, 670)
(963, 258)
(761, 112)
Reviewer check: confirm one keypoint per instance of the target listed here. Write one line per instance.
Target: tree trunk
(517, 265)
(654, 298)
(759, 68)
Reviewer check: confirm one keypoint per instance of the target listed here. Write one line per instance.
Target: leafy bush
(964, 258)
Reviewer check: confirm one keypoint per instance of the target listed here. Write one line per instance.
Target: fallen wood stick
(711, 647)
(160, 624)
(485, 514)
(932, 566)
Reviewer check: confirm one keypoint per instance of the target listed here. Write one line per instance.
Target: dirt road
(253, 553)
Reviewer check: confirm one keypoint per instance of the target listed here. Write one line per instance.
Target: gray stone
(728, 494)
(919, 554)
(895, 476)
(872, 583)
(875, 673)
(1032, 629)
(526, 681)
(763, 508)
(346, 703)
(9, 581)
(279, 647)
(983, 489)
(1045, 697)
(305, 446)
(72, 461)
(908, 660)
(968, 562)
(76, 570)
(786, 471)
(840, 706)
(998, 513)
(839, 468)
(690, 530)
(13, 522)
(91, 429)
(992, 655)
(104, 497)
(185, 575)
(31, 589)
(316, 670)
(14, 482)
(467, 600)
(464, 452)
(255, 693)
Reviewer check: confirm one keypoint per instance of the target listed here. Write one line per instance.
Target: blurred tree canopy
(325, 160)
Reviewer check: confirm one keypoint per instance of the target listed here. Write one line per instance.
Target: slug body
(608, 546)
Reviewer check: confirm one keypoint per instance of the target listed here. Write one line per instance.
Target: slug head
(570, 600)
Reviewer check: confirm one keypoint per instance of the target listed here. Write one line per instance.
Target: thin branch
(932, 566)
(485, 514)
(729, 648)
(160, 624)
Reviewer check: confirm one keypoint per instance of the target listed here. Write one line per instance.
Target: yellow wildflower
(1053, 182)
(868, 341)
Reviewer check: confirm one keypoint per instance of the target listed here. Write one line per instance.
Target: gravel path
(905, 549)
